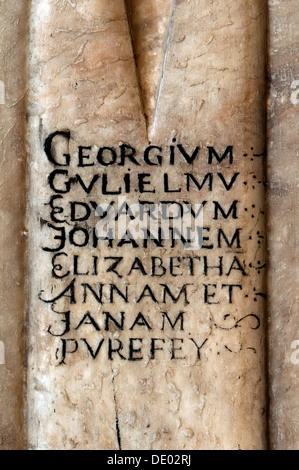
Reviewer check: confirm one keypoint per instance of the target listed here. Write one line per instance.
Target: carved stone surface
(282, 225)
(148, 346)
(13, 25)
(145, 344)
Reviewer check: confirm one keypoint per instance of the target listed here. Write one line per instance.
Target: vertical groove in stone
(150, 22)
(13, 40)
(163, 66)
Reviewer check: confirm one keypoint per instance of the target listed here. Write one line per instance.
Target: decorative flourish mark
(241, 349)
(237, 322)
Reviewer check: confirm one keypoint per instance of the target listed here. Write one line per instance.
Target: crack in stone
(164, 65)
(116, 414)
(149, 114)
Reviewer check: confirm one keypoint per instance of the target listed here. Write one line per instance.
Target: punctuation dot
(250, 238)
(255, 299)
(254, 176)
(245, 182)
(251, 148)
(253, 206)
(252, 216)
(245, 155)
(258, 262)
(245, 209)
(174, 139)
(253, 187)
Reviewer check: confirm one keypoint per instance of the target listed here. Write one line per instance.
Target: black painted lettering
(90, 350)
(50, 152)
(127, 153)
(140, 320)
(82, 157)
(234, 240)
(81, 207)
(108, 153)
(174, 349)
(68, 292)
(175, 299)
(117, 349)
(60, 237)
(133, 351)
(154, 348)
(57, 184)
(230, 288)
(208, 294)
(148, 151)
(66, 319)
(179, 318)
(88, 320)
(73, 347)
(228, 153)
(110, 319)
(231, 211)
